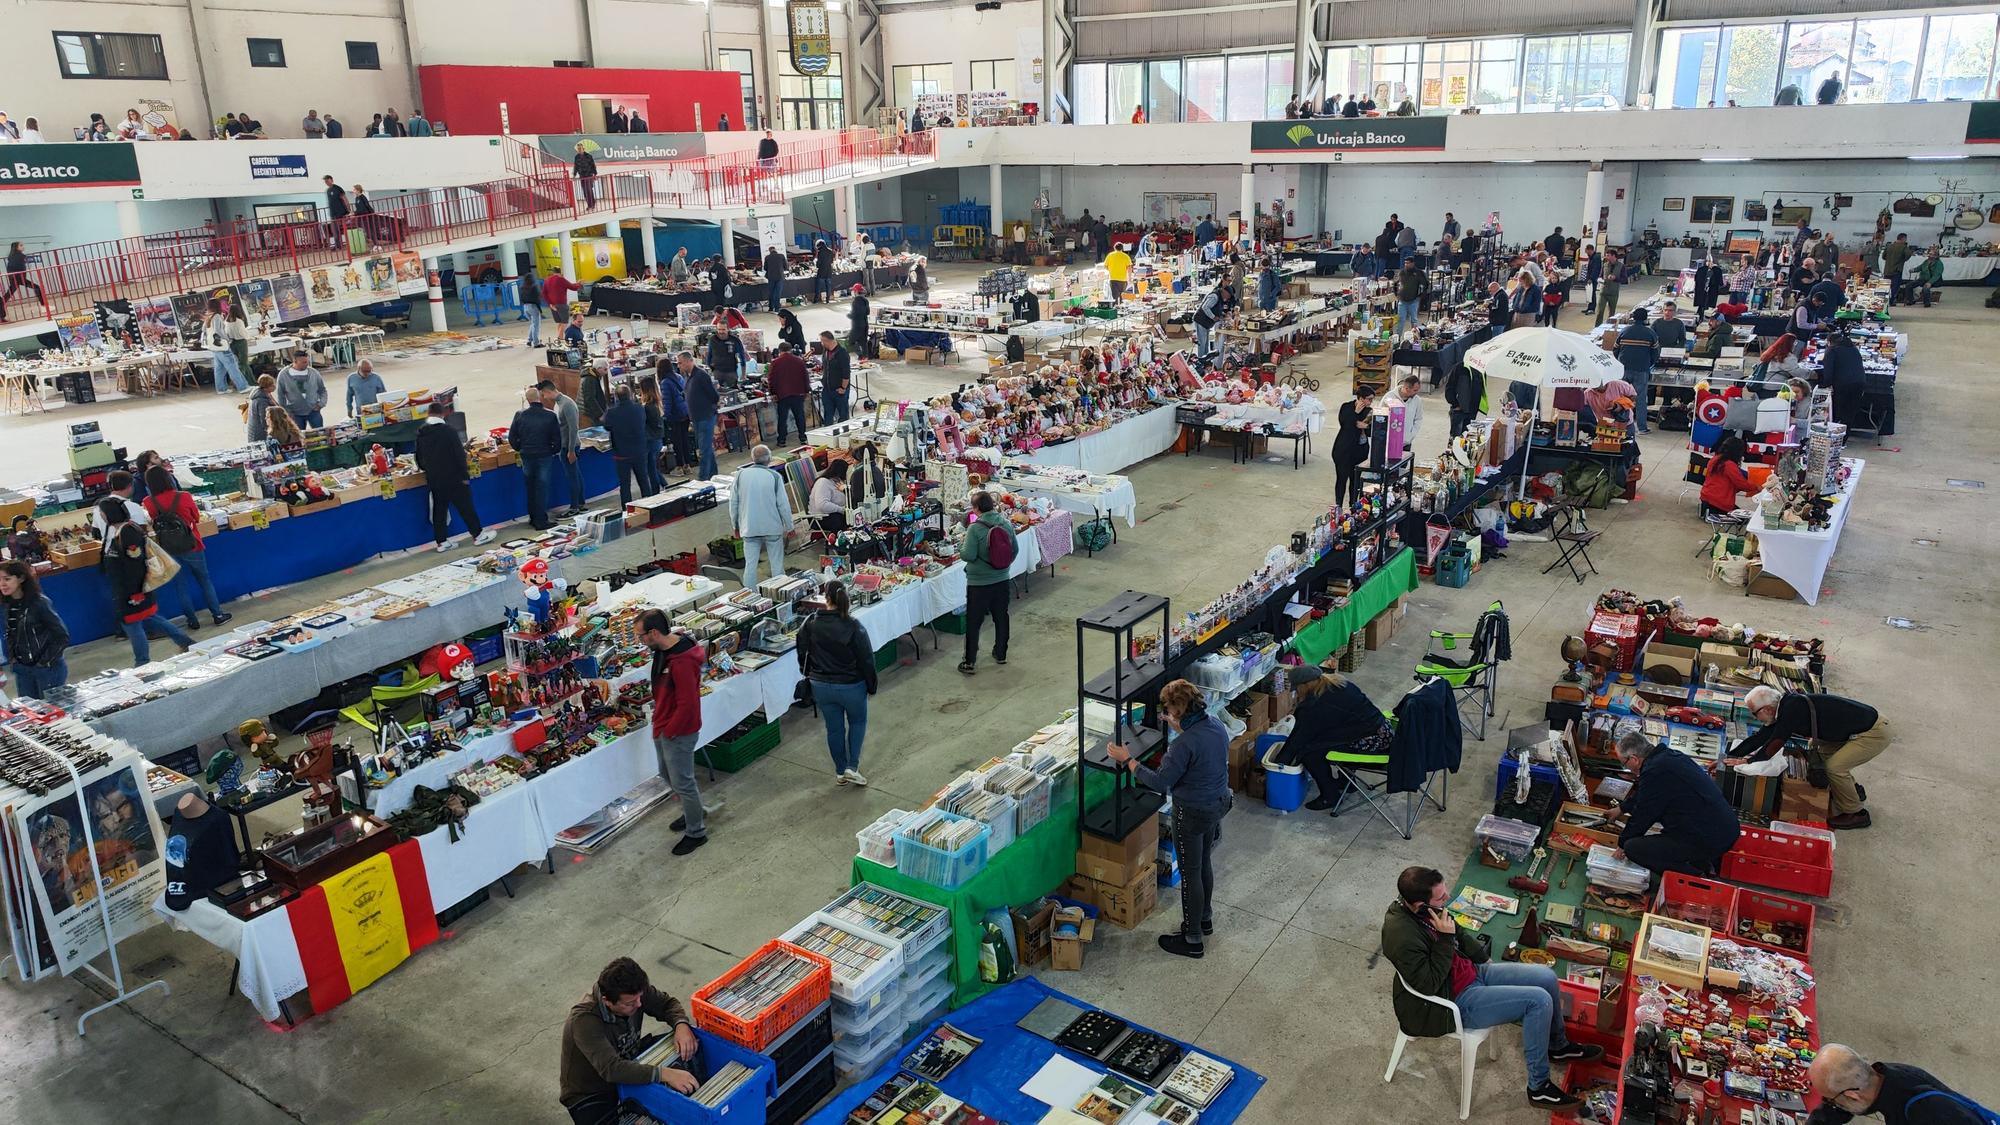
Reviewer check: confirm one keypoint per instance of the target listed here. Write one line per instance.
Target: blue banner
(278, 167)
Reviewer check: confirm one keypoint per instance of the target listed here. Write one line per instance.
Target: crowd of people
(137, 126)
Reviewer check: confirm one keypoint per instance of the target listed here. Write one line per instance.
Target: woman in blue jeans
(838, 660)
(36, 636)
(177, 525)
(124, 563)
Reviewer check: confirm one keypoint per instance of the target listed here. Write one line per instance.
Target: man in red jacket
(556, 290)
(789, 384)
(677, 661)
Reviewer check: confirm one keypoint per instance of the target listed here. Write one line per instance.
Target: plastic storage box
(805, 1042)
(797, 1098)
(745, 1106)
(855, 975)
(1763, 911)
(885, 912)
(921, 971)
(876, 843)
(917, 1005)
(1704, 902)
(854, 1060)
(858, 1023)
(1785, 862)
(1511, 838)
(947, 870)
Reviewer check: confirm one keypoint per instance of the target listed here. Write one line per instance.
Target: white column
(510, 254)
(461, 268)
(436, 295)
(848, 208)
(729, 243)
(649, 251)
(611, 229)
(131, 232)
(567, 254)
(1593, 201)
(998, 223)
(1249, 204)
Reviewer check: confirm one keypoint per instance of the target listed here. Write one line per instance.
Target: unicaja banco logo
(1299, 134)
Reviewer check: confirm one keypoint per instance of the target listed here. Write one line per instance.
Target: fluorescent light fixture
(1513, 162)
(1941, 156)
(1725, 160)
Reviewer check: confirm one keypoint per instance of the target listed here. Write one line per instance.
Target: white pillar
(729, 243)
(611, 229)
(436, 295)
(461, 268)
(649, 251)
(131, 231)
(510, 256)
(999, 224)
(1249, 204)
(848, 209)
(1593, 202)
(566, 256)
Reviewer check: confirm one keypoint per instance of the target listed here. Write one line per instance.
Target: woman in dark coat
(1843, 372)
(124, 563)
(36, 635)
(1332, 713)
(1350, 446)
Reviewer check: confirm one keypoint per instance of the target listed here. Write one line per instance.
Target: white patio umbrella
(1549, 359)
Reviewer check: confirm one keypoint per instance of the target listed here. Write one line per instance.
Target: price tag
(386, 489)
(260, 520)
(473, 470)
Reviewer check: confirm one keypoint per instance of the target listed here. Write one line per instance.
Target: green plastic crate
(742, 746)
(953, 623)
(885, 658)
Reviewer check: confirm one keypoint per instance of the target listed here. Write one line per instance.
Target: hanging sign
(811, 36)
(1342, 134)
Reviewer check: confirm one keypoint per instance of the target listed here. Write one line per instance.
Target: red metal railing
(71, 278)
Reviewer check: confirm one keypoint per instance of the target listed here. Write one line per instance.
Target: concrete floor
(1293, 987)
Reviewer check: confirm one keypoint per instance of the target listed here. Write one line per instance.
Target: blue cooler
(1284, 786)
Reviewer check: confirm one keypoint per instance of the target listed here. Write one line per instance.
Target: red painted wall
(542, 99)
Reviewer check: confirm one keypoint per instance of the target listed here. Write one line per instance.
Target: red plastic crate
(1704, 902)
(683, 563)
(1761, 907)
(764, 1030)
(1801, 864)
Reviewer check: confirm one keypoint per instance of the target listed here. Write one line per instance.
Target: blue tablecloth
(292, 550)
(991, 1077)
(903, 339)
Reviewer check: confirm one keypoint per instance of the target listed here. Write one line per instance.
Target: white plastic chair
(1468, 1046)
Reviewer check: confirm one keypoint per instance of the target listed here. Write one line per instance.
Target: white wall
(222, 168)
(315, 75)
(1532, 198)
(1874, 184)
(496, 32)
(651, 34)
(72, 224)
(36, 88)
(956, 36)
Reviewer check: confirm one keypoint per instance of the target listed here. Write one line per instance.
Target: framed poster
(1754, 211)
(1713, 209)
(1792, 216)
(155, 316)
(1673, 203)
(288, 292)
(1185, 208)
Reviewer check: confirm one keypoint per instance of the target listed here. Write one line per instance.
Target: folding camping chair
(1572, 536)
(1472, 679)
(1350, 766)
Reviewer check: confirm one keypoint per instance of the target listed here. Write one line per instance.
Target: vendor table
(611, 300)
(1325, 263)
(244, 561)
(1117, 500)
(903, 339)
(1968, 271)
(1126, 442)
(1258, 341)
(1440, 362)
(990, 1079)
(1482, 491)
(1035, 864)
(1801, 557)
(1317, 640)
(1038, 335)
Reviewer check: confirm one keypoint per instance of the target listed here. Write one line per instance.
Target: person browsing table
(1848, 731)
(601, 1039)
(1195, 772)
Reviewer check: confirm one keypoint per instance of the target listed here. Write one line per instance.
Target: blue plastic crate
(744, 1107)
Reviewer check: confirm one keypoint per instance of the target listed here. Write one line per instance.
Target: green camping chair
(1350, 766)
(1474, 673)
(368, 713)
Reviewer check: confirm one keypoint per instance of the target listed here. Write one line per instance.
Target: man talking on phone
(601, 1038)
(1435, 958)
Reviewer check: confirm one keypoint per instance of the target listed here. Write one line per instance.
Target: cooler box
(1284, 786)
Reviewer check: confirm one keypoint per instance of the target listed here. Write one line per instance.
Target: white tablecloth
(1309, 416)
(1109, 451)
(572, 791)
(1956, 269)
(1118, 500)
(667, 591)
(1801, 557)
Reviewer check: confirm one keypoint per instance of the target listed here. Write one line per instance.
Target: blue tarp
(292, 550)
(990, 1079)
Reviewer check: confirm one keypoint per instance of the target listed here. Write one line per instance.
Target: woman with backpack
(838, 661)
(36, 635)
(988, 552)
(177, 527)
(124, 564)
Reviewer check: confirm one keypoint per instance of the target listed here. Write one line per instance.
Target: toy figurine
(225, 772)
(452, 661)
(260, 744)
(541, 590)
(379, 460)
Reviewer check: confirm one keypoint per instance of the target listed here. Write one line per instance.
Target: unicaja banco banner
(1350, 134)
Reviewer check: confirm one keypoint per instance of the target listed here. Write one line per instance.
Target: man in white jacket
(761, 511)
(1405, 394)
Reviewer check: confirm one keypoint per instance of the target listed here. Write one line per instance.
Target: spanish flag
(356, 926)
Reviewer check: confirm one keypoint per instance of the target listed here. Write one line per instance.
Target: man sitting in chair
(1672, 790)
(1437, 959)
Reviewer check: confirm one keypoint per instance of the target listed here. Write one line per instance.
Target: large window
(1483, 72)
(1958, 58)
(1574, 72)
(1872, 61)
(913, 82)
(1395, 66)
(810, 102)
(1127, 91)
(1205, 82)
(1163, 90)
(1346, 72)
(742, 60)
(1087, 85)
(993, 74)
(87, 54)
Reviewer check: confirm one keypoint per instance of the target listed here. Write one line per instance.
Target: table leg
(235, 970)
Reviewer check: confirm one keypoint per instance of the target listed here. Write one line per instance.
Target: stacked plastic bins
(872, 1011)
(804, 1057)
(777, 1004)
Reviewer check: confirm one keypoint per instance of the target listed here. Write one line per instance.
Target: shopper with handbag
(988, 552)
(36, 635)
(838, 661)
(1846, 732)
(136, 567)
(1195, 771)
(177, 528)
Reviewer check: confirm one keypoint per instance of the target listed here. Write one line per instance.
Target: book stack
(1198, 1080)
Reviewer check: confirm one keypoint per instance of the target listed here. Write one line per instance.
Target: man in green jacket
(989, 552)
(1435, 958)
(1930, 275)
(1894, 257)
(601, 1039)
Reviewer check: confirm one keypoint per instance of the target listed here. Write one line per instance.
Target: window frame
(256, 63)
(993, 76)
(923, 75)
(89, 42)
(374, 48)
(748, 77)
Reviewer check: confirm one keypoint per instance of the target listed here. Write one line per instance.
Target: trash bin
(1284, 786)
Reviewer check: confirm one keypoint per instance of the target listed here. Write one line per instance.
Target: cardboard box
(1680, 658)
(1032, 930)
(206, 527)
(1118, 861)
(1726, 657)
(1798, 801)
(916, 355)
(1771, 586)
(1130, 903)
(1241, 752)
(1281, 704)
(1066, 953)
(355, 493)
(1684, 976)
(1380, 630)
(326, 505)
(1259, 706)
(85, 554)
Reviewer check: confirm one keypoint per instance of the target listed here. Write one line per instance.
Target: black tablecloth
(1326, 263)
(613, 301)
(1441, 360)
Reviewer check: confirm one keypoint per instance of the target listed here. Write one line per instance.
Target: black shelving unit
(1127, 680)
(1379, 531)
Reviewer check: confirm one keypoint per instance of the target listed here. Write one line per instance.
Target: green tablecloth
(1390, 581)
(1032, 866)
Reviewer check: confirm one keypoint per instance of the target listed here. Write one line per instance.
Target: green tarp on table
(1390, 581)
(1032, 866)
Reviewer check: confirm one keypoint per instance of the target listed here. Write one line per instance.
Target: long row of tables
(611, 300)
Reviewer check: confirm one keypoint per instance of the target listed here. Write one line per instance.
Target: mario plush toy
(448, 662)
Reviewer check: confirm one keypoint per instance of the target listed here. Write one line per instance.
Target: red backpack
(999, 548)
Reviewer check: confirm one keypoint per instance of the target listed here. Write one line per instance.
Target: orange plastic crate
(1801, 864)
(1701, 901)
(767, 1026)
(1762, 908)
